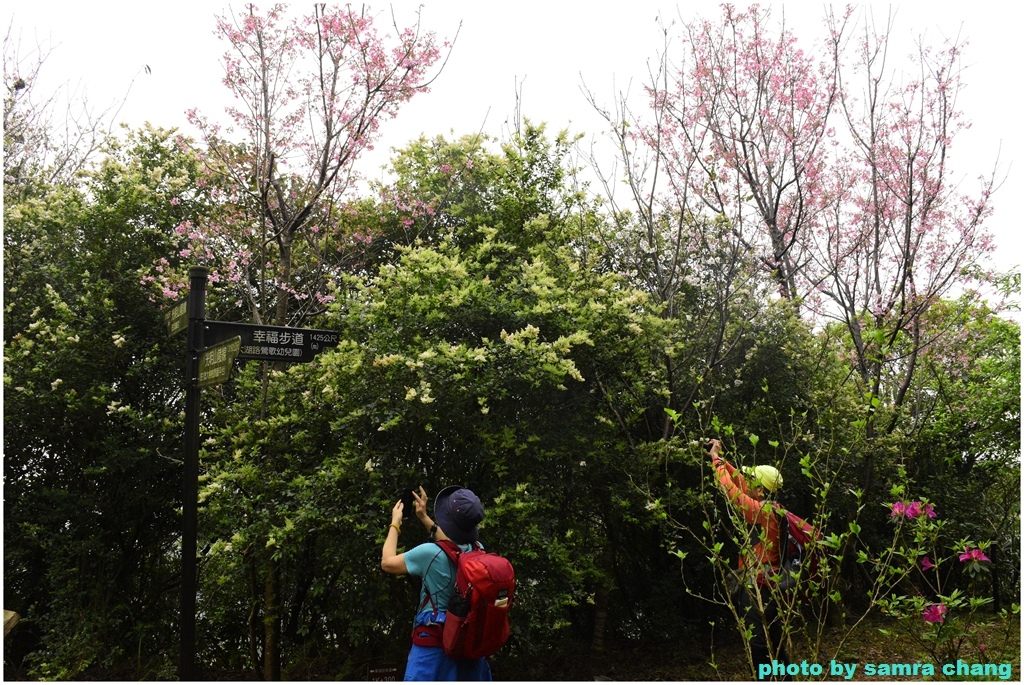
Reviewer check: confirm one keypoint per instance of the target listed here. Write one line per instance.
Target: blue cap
(458, 512)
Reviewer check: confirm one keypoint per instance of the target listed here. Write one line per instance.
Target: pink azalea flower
(913, 509)
(898, 509)
(926, 564)
(929, 510)
(973, 555)
(936, 613)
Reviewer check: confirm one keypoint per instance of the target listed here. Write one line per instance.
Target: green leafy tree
(966, 425)
(309, 94)
(91, 402)
(477, 355)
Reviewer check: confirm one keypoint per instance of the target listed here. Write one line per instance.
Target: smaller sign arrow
(176, 317)
(215, 362)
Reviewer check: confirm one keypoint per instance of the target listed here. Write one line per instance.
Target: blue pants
(432, 664)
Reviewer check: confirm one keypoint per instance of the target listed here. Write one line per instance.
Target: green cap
(767, 476)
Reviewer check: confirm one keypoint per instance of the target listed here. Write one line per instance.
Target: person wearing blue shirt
(459, 512)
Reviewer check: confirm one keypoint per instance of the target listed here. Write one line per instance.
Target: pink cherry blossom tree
(830, 165)
(310, 94)
(723, 166)
(901, 230)
(749, 112)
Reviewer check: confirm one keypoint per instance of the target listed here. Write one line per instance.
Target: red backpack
(477, 621)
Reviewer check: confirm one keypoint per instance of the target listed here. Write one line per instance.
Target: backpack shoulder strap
(450, 549)
(784, 535)
(453, 551)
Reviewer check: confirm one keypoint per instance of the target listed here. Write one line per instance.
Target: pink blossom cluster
(844, 194)
(310, 93)
(912, 510)
(970, 555)
(934, 613)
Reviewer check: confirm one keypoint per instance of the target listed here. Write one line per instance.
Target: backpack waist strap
(428, 629)
(431, 635)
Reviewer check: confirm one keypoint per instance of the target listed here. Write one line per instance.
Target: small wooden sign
(384, 672)
(11, 619)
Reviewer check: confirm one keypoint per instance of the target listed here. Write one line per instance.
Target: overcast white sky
(550, 47)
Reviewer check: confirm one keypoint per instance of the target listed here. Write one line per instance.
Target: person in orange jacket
(750, 494)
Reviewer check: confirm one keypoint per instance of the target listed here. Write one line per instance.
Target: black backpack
(799, 554)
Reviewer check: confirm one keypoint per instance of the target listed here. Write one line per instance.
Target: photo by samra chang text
(849, 671)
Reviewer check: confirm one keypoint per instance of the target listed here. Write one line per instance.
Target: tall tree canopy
(792, 272)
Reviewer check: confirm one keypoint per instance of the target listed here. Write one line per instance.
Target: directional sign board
(383, 672)
(272, 343)
(215, 362)
(176, 317)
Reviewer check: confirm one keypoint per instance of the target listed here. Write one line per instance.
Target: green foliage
(967, 414)
(91, 414)
(476, 353)
(462, 360)
(499, 331)
(939, 597)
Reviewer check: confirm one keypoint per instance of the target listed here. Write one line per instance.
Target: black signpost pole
(190, 491)
(205, 366)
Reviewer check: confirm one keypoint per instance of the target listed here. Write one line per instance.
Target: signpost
(216, 361)
(273, 343)
(213, 347)
(190, 490)
(176, 317)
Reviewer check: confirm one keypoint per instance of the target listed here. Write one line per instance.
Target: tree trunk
(254, 612)
(602, 598)
(272, 624)
(997, 606)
